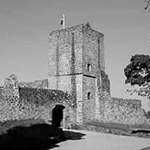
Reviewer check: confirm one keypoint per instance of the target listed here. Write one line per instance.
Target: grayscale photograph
(74, 74)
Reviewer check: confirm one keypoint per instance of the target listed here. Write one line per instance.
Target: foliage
(147, 3)
(138, 73)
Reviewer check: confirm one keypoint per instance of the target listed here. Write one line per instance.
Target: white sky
(26, 24)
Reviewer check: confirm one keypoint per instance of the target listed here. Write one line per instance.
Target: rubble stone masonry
(123, 111)
(76, 58)
(76, 80)
(33, 103)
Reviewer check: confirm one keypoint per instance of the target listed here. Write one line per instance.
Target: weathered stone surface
(76, 58)
(9, 99)
(40, 84)
(26, 103)
(38, 103)
(79, 82)
(125, 111)
(105, 82)
(10, 88)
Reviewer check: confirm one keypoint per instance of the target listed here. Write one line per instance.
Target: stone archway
(57, 115)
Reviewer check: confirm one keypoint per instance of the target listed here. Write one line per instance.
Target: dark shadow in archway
(57, 115)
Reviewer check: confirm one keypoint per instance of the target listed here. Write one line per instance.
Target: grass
(119, 129)
(120, 126)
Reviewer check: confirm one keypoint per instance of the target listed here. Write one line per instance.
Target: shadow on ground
(146, 148)
(70, 135)
(35, 137)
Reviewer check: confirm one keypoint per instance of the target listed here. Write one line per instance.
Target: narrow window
(89, 96)
(89, 67)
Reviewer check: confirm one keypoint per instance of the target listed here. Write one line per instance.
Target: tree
(147, 3)
(138, 73)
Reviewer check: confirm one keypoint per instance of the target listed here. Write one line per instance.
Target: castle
(76, 80)
(76, 65)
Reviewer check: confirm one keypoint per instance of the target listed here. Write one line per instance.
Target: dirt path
(86, 140)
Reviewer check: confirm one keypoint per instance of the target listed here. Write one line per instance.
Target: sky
(25, 26)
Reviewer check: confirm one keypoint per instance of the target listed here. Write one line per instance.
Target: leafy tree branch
(137, 72)
(147, 3)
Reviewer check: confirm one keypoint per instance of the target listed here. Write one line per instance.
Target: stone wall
(65, 64)
(93, 51)
(33, 103)
(105, 82)
(26, 103)
(38, 103)
(125, 111)
(77, 75)
(42, 84)
(65, 50)
(93, 64)
(9, 99)
(88, 99)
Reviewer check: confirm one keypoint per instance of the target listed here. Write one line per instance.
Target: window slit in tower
(89, 96)
(89, 67)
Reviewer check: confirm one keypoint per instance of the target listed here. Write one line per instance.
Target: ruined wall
(105, 82)
(125, 111)
(34, 103)
(38, 103)
(9, 99)
(42, 84)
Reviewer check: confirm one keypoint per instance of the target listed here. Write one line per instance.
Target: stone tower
(76, 59)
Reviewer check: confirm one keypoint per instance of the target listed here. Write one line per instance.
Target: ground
(86, 140)
(37, 135)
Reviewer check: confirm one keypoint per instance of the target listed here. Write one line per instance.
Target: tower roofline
(71, 28)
